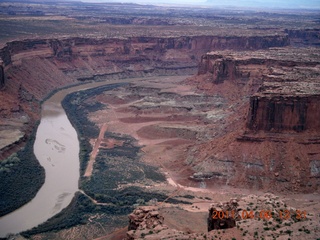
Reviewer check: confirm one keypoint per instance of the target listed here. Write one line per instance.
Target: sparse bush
(15, 190)
(307, 231)
(288, 232)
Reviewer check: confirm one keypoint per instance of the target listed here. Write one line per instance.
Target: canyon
(281, 116)
(67, 61)
(218, 103)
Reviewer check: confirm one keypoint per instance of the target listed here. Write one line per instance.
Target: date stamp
(262, 214)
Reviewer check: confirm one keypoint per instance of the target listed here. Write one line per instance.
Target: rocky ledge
(249, 217)
(285, 83)
(56, 63)
(272, 139)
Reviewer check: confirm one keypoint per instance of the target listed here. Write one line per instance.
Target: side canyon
(201, 104)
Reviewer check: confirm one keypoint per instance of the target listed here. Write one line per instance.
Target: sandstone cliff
(2, 81)
(281, 113)
(288, 96)
(247, 217)
(133, 45)
(303, 37)
(29, 65)
(274, 143)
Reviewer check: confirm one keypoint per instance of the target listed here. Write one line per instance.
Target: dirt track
(95, 150)
(168, 119)
(163, 133)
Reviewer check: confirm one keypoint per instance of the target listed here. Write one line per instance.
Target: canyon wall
(284, 113)
(34, 68)
(284, 83)
(304, 37)
(2, 78)
(73, 59)
(271, 140)
(137, 45)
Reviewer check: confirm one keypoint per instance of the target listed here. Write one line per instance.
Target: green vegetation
(77, 111)
(76, 213)
(288, 232)
(70, 216)
(113, 167)
(21, 176)
(188, 196)
(304, 229)
(119, 166)
(11, 161)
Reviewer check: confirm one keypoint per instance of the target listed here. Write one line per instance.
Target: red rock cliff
(288, 94)
(2, 81)
(284, 113)
(274, 144)
(29, 65)
(300, 37)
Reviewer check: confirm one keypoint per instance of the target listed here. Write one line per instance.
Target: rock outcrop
(29, 65)
(2, 78)
(288, 93)
(303, 37)
(218, 219)
(143, 221)
(279, 128)
(147, 223)
(146, 217)
(284, 113)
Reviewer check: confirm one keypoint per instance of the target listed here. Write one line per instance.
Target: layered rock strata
(275, 144)
(2, 81)
(304, 37)
(29, 65)
(288, 95)
(218, 222)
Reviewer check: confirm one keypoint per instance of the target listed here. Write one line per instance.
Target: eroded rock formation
(2, 81)
(223, 216)
(288, 93)
(143, 221)
(276, 142)
(284, 113)
(303, 37)
(54, 63)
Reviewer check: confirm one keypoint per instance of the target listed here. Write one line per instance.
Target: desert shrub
(112, 167)
(21, 176)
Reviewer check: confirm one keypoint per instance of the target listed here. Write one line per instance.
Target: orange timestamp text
(262, 214)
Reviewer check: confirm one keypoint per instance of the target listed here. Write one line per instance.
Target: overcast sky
(242, 3)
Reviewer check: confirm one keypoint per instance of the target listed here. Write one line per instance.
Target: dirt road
(95, 150)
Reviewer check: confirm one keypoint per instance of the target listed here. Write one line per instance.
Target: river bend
(57, 149)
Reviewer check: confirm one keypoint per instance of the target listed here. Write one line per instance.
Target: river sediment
(56, 147)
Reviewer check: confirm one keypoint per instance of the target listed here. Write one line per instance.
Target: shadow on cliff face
(271, 139)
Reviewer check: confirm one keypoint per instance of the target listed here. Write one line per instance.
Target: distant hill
(268, 3)
(41, 1)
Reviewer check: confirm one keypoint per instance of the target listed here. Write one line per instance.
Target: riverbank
(152, 121)
(107, 196)
(21, 177)
(13, 174)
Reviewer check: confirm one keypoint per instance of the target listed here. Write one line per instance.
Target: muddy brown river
(57, 149)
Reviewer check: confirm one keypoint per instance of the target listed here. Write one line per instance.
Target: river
(57, 149)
